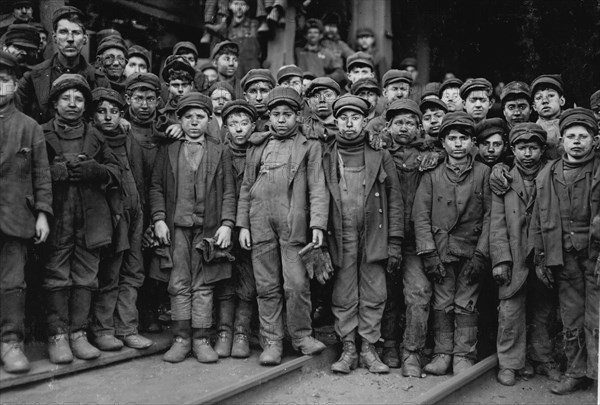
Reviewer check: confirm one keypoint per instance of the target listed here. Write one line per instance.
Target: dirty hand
(42, 229)
(434, 268)
(161, 230)
(125, 125)
(500, 179)
(59, 171)
(174, 131)
(502, 273)
(543, 272)
(148, 240)
(475, 267)
(317, 238)
(223, 236)
(87, 170)
(376, 141)
(245, 241)
(429, 161)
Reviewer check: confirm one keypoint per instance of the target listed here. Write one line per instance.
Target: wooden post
(281, 47)
(377, 15)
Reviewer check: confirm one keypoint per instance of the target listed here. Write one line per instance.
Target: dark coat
(220, 194)
(24, 174)
(384, 207)
(96, 211)
(307, 191)
(511, 216)
(545, 233)
(453, 218)
(34, 87)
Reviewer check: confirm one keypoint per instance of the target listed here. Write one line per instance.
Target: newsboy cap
(366, 83)
(284, 95)
(182, 46)
(8, 61)
(112, 42)
(431, 89)
(364, 32)
(257, 75)
(108, 94)
(70, 81)
(395, 75)
(351, 102)
(479, 83)
(194, 99)
(239, 106)
(515, 90)
(578, 116)
(360, 59)
(23, 35)
(174, 63)
(432, 102)
(403, 105)
(220, 85)
(287, 71)
(549, 80)
(314, 23)
(457, 119)
(527, 131)
(21, 3)
(321, 83)
(406, 62)
(143, 79)
(595, 100)
(453, 82)
(225, 47)
(490, 126)
(65, 12)
(140, 52)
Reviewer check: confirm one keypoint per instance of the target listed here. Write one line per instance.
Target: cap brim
(528, 137)
(351, 108)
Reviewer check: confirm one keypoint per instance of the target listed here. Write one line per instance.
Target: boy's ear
(562, 101)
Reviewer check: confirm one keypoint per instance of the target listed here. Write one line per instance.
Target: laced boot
(411, 364)
(461, 363)
(308, 345)
(439, 365)
(13, 357)
(348, 361)
(506, 376)
(223, 346)
(82, 349)
(272, 352)
(568, 385)
(59, 349)
(182, 342)
(203, 350)
(370, 360)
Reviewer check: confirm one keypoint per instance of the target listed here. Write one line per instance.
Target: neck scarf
(568, 165)
(528, 173)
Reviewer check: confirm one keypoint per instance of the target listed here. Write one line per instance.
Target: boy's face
(359, 72)
(283, 119)
(370, 96)
(491, 149)
(256, 93)
(179, 88)
(528, 153)
(404, 128)
(70, 105)
(548, 103)
(135, 64)
(8, 87)
(194, 122)
(396, 91)
(365, 42)
(413, 71)
(295, 82)
(240, 127)
(189, 57)
(226, 64)
(516, 111)
(477, 104)
(69, 38)
(306, 84)
(18, 52)
(142, 103)
(597, 115)
(331, 31)
(219, 98)
(211, 75)
(451, 96)
(321, 102)
(24, 13)
(107, 116)
(43, 41)
(457, 145)
(113, 63)
(350, 124)
(238, 8)
(578, 141)
(313, 36)
(432, 119)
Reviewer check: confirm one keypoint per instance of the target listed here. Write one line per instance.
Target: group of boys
(253, 190)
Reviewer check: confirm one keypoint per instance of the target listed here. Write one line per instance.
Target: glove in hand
(543, 272)
(317, 263)
(475, 267)
(211, 252)
(434, 268)
(502, 273)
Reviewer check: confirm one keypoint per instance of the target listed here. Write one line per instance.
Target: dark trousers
(417, 297)
(13, 256)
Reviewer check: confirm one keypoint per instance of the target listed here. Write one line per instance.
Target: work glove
(376, 141)
(502, 273)
(394, 255)
(543, 272)
(87, 170)
(317, 263)
(434, 268)
(211, 252)
(59, 171)
(475, 267)
(500, 179)
(429, 161)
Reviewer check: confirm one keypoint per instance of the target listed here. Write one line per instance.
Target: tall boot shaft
(243, 317)
(80, 302)
(57, 311)
(12, 315)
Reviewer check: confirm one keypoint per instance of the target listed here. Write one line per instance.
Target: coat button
(380, 226)
(376, 194)
(380, 211)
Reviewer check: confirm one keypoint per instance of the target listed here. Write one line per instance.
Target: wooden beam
(161, 13)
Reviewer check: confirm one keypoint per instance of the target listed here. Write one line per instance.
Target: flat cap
(406, 62)
(457, 119)
(479, 83)
(527, 131)
(309, 75)
(206, 66)
(515, 90)
(331, 18)
(578, 116)
(549, 80)
(321, 83)
(595, 100)
(21, 3)
(351, 102)
(366, 83)
(313, 23)
(194, 99)
(38, 26)
(185, 47)
(359, 59)
(225, 47)
(70, 81)
(112, 42)
(450, 83)
(432, 102)
(257, 75)
(108, 94)
(8, 61)
(431, 89)
(403, 105)
(143, 79)
(64, 12)
(239, 106)
(220, 85)
(490, 126)
(284, 95)
(23, 35)
(395, 75)
(287, 71)
(107, 32)
(364, 32)
(141, 52)
(174, 63)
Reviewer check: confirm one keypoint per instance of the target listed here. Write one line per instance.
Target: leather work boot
(59, 349)
(107, 343)
(550, 370)
(439, 365)
(461, 363)
(348, 361)
(308, 345)
(223, 345)
(527, 371)
(82, 349)
(272, 351)
(240, 348)
(136, 341)
(411, 364)
(203, 351)
(13, 357)
(370, 360)
(179, 350)
(506, 376)
(390, 355)
(568, 385)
